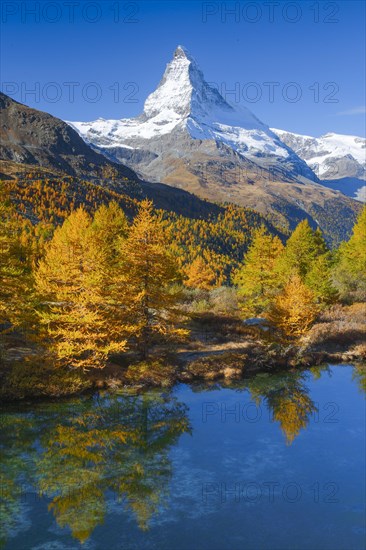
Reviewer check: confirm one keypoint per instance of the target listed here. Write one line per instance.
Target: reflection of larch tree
(113, 446)
(19, 431)
(74, 456)
(144, 478)
(288, 400)
(359, 374)
(292, 408)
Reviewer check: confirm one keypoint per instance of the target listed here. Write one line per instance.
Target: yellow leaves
(104, 449)
(293, 413)
(54, 199)
(257, 279)
(302, 248)
(350, 273)
(220, 239)
(294, 309)
(290, 422)
(149, 271)
(101, 288)
(82, 312)
(200, 275)
(97, 449)
(82, 508)
(16, 282)
(138, 469)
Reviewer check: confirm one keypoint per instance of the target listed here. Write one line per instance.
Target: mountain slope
(37, 146)
(338, 160)
(29, 136)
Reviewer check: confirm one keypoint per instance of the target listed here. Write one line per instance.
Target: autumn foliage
(79, 310)
(92, 281)
(294, 309)
(200, 275)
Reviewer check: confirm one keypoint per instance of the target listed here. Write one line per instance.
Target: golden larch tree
(302, 248)
(16, 281)
(350, 271)
(294, 310)
(200, 275)
(76, 310)
(257, 279)
(150, 271)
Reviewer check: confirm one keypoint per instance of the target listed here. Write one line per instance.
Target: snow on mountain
(188, 136)
(323, 152)
(184, 104)
(339, 160)
(184, 101)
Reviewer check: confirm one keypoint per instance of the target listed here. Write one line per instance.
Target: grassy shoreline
(220, 348)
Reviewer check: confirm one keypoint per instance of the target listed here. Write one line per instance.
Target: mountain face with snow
(338, 160)
(190, 137)
(185, 105)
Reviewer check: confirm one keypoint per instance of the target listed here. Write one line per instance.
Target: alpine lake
(272, 462)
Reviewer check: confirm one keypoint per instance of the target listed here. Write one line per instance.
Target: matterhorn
(189, 136)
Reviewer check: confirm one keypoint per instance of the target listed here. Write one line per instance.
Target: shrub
(224, 300)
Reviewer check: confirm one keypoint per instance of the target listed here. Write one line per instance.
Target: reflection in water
(285, 395)
(81, 454)
(77, 456)
(359, 374)
(19, 433)
(288, 400)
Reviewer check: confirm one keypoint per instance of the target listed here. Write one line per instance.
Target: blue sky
(298, 66)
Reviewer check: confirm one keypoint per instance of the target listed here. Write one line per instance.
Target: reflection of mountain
(97, 446)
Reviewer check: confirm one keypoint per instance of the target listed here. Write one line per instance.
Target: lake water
(274, 462)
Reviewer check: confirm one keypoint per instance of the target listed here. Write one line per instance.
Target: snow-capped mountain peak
(189, 136)
(184, 93)
(185, 104)
(174, 93)
(181, 51)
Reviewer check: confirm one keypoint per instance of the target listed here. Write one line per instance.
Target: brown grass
(227, 365)
(339, 329)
